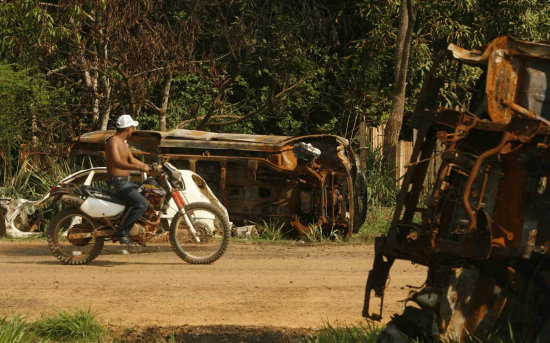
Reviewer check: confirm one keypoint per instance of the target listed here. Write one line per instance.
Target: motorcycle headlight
(175, 175)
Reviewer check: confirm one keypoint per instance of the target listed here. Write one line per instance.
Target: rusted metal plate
(517, 77)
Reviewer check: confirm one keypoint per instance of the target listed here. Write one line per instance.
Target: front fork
(180, 202)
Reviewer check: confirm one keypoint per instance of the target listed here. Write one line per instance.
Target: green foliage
(27, 32)
(79, 325)
(31, 117)
(347, 334)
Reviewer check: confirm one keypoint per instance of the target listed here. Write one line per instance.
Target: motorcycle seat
(100, 193)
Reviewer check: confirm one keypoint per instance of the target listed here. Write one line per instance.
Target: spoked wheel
(213, 231)
(69, 237)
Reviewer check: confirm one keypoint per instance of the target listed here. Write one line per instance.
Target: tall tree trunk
(104, 58)
(165, 97)
(107, 102)
(401, 58)
(95, 102)
(131, 101)
(91, 84)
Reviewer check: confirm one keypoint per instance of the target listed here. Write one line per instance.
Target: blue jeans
(127, 191)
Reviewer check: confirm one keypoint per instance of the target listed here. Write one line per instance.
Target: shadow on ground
(217, 334)
(40, 248)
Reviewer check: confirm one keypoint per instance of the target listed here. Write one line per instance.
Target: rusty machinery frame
(482, 233)
(260, 177)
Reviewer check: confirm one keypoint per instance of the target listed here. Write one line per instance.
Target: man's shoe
(123, 240)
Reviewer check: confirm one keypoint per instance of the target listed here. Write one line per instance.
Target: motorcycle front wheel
(212, 228)
(64, 241)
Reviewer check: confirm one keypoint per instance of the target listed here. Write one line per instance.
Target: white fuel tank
(97, 208)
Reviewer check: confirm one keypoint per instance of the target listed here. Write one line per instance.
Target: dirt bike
(199, 232)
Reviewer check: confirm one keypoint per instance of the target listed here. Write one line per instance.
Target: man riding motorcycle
(119, 163)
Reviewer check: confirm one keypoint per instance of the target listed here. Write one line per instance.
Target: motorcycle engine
(137, 231)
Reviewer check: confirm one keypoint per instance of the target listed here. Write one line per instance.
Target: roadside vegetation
(382, 191)
(78, 325)
(347, 334)
(83, 326)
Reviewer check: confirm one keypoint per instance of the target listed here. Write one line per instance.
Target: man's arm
(133, 160)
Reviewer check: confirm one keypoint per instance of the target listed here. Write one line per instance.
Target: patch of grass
(377, 223)
(16, 330)
(78, 325)
(317, 234)
(348, 334)
(271, 230)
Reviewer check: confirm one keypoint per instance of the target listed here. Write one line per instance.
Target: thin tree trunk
(401, 59)
(95, 102)
(107, 110)
(132, 100)
(165, 97)
(104, 120)
(34, 129)
(91, 83)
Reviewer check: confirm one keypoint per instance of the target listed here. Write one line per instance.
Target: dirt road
(287, 285)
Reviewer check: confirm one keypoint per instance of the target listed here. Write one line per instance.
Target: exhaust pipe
(70, 200)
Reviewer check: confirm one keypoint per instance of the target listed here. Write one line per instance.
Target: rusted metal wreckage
(303, 181)
(483, 228)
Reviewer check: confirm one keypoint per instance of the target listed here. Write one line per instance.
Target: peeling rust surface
(260, 178)
(483, 228)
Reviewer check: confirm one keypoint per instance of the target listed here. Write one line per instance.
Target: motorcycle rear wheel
(212, 228)
(73, 251)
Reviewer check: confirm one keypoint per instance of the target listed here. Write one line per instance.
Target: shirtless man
(119, 163)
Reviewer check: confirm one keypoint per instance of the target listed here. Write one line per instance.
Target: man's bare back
(119, 158)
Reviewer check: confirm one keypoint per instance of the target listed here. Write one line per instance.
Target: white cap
(125, 121)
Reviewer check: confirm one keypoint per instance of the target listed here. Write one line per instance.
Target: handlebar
(155, 170)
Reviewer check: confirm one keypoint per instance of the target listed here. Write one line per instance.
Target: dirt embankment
(253, 285)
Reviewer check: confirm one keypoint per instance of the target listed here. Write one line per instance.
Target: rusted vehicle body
(483, 227)
(272, 178)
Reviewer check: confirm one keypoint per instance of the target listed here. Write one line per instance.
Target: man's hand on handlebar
(144, 168)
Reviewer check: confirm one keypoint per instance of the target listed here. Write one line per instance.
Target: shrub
(16, 330)
(381, 183)
(317, 234)
(271, 230)
(79, 325)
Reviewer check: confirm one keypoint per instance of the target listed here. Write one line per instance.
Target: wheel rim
(74, 248)
(210, 230)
